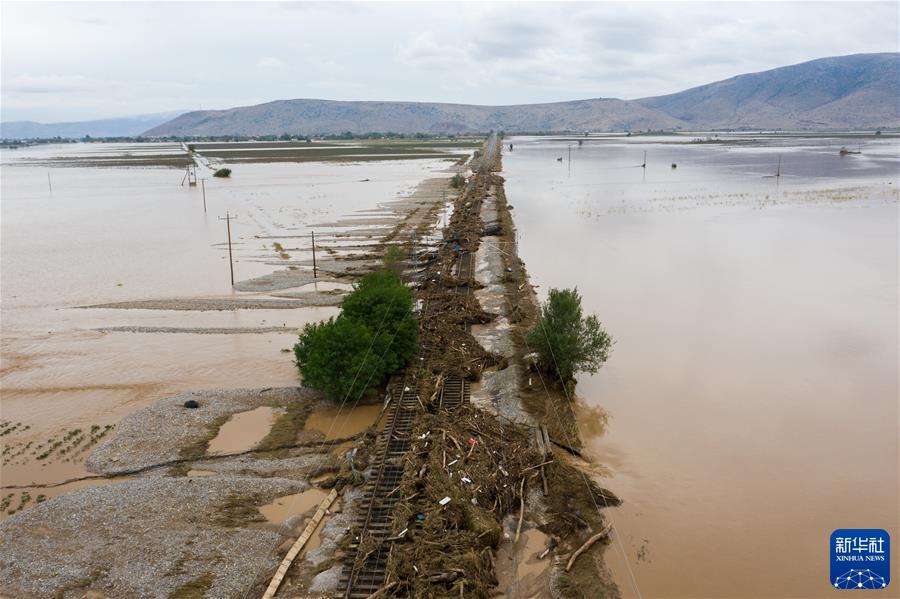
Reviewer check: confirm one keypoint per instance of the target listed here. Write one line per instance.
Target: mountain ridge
(128, 126)
(857, 91)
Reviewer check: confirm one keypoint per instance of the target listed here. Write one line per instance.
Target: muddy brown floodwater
(752, 394)
(105, 235)
(338, 422)
(244, 430)
(288, 506)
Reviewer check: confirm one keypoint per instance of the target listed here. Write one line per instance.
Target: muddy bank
(218, 304)
(191, 515)
(144, 538)
(199, 330)
(158, 433)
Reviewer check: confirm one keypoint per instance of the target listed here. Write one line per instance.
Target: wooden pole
(49, 183)
(228, 218)
(315, 270)
(203, 185)
(299, 544)
(521, 510)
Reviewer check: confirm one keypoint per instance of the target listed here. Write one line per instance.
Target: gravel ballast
(157, 433)
(141, 538)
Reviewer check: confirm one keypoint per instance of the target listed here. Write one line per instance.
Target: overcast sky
(74, 61)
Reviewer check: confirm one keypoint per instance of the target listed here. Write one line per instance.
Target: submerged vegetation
(457, 181)
(567, 342)
(222, 173)
(356, 352)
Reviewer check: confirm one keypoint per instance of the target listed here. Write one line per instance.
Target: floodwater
(752, 393)
(244, 430)
(116, 234)
(520, 571)
(339, 422)
(288, 506)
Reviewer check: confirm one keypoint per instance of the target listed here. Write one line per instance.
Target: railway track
(364, 574)
(465, 266)
(366, 562)
(454, 392)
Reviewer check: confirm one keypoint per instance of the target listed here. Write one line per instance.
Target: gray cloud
(84, 60)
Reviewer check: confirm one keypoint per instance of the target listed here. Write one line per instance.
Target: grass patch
(238, 510)
(285, 430)
(195, 589)
(197, 449)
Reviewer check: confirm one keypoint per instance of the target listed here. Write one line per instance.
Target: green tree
(373, 337)
(566, 341)
(337, 357)
(393, 259)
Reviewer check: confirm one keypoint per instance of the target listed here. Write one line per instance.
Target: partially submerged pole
(228, 218)
(49, 183)
(315, 273)
(203, 185)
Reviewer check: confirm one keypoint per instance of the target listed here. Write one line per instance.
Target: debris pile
(464, 473)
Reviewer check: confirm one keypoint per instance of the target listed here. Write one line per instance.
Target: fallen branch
(587, 545)
(521, 509)
(568, 448)
(383, 590)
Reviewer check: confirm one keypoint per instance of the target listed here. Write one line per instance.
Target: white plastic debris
(445, 500)
(466, 479)
(454, 461)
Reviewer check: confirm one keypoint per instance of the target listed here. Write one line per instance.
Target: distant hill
(312, 117)
(119, 127)
(861, 91)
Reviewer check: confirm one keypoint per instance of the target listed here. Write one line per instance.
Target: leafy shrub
(567, 342)
(356, 352)
(457, 181)
(222, 172)
(393, 259)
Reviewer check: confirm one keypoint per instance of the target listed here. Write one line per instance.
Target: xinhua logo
(860, 558)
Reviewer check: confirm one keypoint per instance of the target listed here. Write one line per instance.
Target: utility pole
(203, 185)
(570, 159)
(645, 160)
(228, 218)
(49, 183)
(315, 272)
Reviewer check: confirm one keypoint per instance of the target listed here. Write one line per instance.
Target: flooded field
(77, 236)
(751, 399)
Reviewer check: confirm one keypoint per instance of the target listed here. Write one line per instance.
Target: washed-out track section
(364, 574)
(454, 392)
